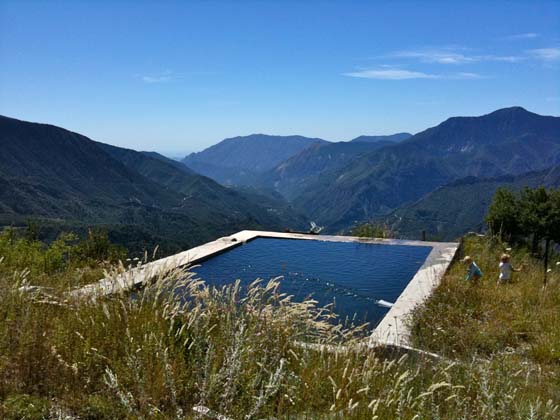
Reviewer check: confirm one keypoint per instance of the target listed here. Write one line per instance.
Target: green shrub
(533, 212)
(371, 230)
(25, 407)
(99, 407)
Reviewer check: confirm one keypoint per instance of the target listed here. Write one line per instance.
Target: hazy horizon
(177, 77)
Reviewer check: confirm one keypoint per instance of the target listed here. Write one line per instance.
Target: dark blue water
(352, 275)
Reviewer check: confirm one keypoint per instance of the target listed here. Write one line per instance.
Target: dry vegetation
(515, 324)
(238, 353)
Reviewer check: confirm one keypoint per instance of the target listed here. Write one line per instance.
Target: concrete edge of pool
(391, 331)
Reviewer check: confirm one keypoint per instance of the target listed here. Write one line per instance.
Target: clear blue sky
(179, 76)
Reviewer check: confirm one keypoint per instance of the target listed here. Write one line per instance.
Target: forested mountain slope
(235, 161)
(507, 141)
(459, 207)
(51, 174)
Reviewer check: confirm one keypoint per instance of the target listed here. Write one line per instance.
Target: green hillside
(65, 179)
(308, 167)
(459, 207)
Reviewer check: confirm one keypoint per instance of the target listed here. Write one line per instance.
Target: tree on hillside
(540, 216)
(503, 214)
(534, 213)
(555, 215)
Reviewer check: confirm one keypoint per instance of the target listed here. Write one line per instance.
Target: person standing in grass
(474, 273)
(506, 269)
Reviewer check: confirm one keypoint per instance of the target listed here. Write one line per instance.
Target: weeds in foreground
(179, 344)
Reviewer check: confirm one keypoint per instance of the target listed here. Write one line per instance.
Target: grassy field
(239, 353)
(515, 324)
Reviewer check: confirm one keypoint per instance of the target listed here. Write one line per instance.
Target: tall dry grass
(517, 323)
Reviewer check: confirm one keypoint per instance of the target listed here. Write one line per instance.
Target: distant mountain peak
(236, 160)
(508, 122)
(502, 113)
(395, 138)
(510, 109)
(271, 137)
(513, 110)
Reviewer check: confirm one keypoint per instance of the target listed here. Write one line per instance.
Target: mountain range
(237, 160)
(440, 180)
(342, 184)
(63, 178)
(507, 141)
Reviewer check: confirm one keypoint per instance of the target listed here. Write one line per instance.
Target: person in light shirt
(506, 269)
